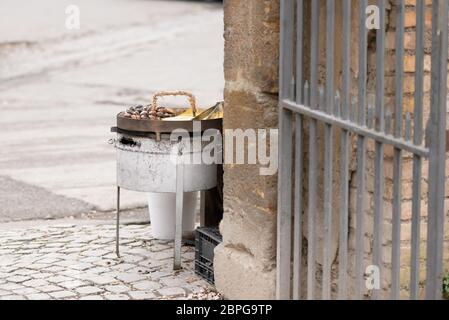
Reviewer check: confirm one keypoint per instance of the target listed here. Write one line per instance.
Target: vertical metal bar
(321, 99)
(388, 117)
(330, 52)
(297, 237)
(378, 210)
(346, 59)
(179, 210)
(353, 116)
(371, 116)
(286, 49)
(436, 140)
(311, 211)
(416, 222)
(283, 283)
(297, 225)
(327, 245)
(360, 218)
(397, 160)
(299, 50)
(419, 76)
(408, 127)
(297, 255)
(379, 147)
(417, 140)
(117, 226)
(328, 150)
(363, 52)
(314, 56)
(202, 208)
(399, 67)
(344, 212)
(396, 225)
(361, 155)
(380, 68)
(344, 169)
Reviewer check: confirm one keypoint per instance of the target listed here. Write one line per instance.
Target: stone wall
(245, 261)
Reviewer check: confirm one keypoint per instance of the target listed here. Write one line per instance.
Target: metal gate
(356, 108)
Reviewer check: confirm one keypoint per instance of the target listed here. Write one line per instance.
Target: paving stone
(119, 288)
(4, 293)
(4, 275)
(58, 279)
(141, 295)
(36, 283)
(104, 262)
(50, 288)
(123, 266)
(195, 289)
(18, 279)
(95, 253)
(172, 291)
(147, 285)
(131, 277)
(48, 260)
(113, 296)
(97, 279)
(38, 296)
(80, 266)
(62, 294)
(25, 291)
(55, 269)
(13, 297)
(99, 270)
(132, 259)
(24, 272)
(173, 282)
(161, 255)
(11, 286)
(92, 297)
(88, 290)
(39, 266)
(72, 284)
(42, 275)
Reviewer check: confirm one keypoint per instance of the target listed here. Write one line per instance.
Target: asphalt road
(61, 89)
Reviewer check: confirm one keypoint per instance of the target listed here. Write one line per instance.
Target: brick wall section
(407, 175)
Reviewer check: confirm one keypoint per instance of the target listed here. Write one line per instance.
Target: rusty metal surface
(157, 126)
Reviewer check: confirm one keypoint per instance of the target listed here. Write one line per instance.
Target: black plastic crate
(206, 239)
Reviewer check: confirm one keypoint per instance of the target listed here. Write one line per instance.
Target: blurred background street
(61, 89)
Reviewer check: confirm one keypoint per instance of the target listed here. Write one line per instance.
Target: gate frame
(293, 106)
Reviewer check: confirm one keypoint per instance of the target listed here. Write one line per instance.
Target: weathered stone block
(239, 275)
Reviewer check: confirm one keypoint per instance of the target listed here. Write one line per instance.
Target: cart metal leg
(179, 211)
(202, 208)
(117, 226)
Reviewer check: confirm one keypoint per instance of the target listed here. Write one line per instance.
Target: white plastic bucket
(162, 207)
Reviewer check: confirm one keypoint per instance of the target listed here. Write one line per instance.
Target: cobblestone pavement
(78, 262)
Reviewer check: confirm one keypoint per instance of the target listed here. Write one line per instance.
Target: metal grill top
(160, 126)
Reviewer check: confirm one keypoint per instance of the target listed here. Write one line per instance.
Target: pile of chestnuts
(141, 112)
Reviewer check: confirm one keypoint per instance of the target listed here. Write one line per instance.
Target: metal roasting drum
(148, 160)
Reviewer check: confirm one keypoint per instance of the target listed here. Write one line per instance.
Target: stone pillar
(245, 261)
